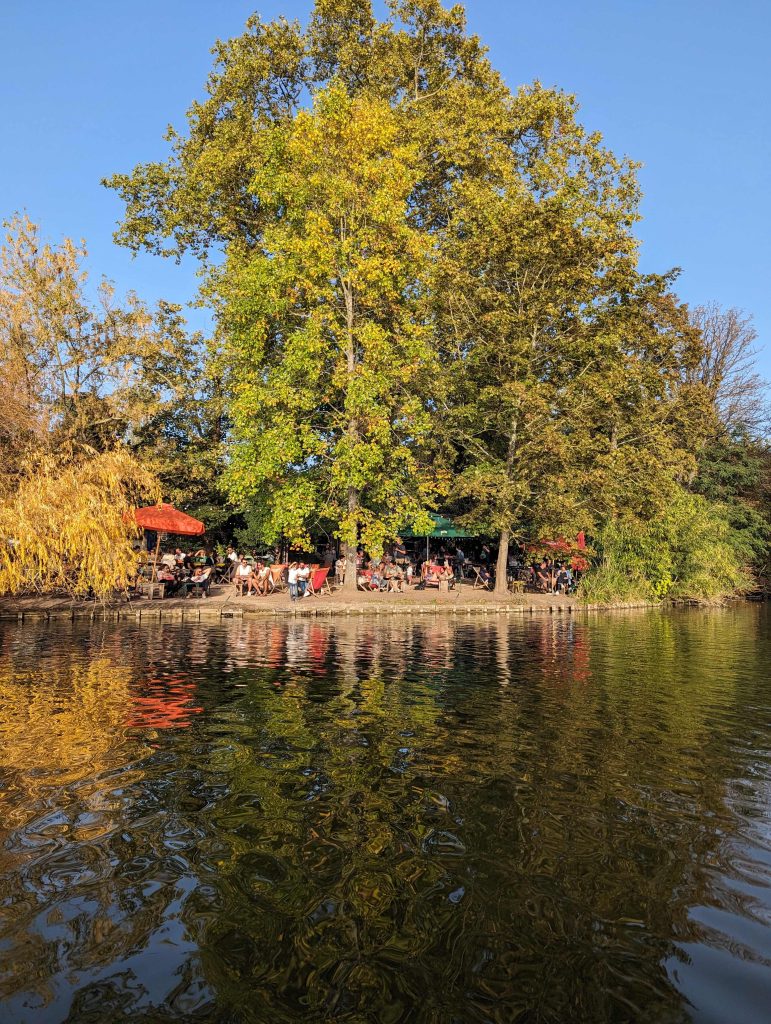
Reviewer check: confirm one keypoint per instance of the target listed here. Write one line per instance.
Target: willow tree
(71, 372)
(69, 526)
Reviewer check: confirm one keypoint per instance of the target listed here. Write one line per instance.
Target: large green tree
(565, 397)
(326, 356)
(408, 255)
(327, 220)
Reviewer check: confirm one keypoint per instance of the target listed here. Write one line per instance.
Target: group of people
(396, 572)
(186, 574)
(550, 577)
(250, 577)
(255, 576)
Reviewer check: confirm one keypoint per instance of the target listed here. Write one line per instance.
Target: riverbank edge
(212, 610)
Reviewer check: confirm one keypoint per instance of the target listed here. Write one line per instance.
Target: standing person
(400, 551)
(292, 579)
(303, 575)
(340, 571)
(409, 572)
(231, 557)
(460, 561)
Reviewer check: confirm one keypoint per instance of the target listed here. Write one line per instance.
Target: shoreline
(225, 605)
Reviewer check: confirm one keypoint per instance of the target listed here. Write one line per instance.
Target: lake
(434, 819)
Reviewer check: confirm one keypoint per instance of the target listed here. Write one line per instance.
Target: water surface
(434, 820)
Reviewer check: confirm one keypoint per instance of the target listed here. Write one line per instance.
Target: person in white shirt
(292, 579)
(243, 577)
(232, 559)
(340, 570)
(303, 575)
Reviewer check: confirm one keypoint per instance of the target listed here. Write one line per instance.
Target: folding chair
(318, 583)
(276, 581)
(480, 583)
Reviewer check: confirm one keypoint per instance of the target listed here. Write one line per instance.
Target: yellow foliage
(71, 527)
(49, 738)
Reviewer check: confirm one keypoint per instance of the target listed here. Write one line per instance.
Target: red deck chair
(318, 583)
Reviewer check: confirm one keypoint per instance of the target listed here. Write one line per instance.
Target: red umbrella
(165, 518)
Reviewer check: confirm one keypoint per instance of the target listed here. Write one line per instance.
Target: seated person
(243, 577)
(446, 573)
(169, 579)
(169, 560)
(261, 576)
(543, 577)
(432, 572)
(485, 575)
(564, 581)
(394, 576)
(379, 579)
(199, 581)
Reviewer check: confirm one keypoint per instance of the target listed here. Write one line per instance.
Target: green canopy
(443, 527)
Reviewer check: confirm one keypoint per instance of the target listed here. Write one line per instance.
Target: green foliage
(735, 470)
(321, 334)
(428, 289)
(690, 551)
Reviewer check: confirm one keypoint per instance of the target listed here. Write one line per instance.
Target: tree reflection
(423, 819)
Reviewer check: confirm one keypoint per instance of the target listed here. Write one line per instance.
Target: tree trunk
(501, 583)
(349, 586)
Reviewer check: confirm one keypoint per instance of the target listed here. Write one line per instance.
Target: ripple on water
(392, 821)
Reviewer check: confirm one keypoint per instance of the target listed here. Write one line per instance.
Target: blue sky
(87, 89)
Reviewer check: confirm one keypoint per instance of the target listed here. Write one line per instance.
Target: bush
(689, 552)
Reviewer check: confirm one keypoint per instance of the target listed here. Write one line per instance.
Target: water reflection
(559, 819)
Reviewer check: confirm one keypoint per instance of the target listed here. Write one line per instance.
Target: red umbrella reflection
(168, 706)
